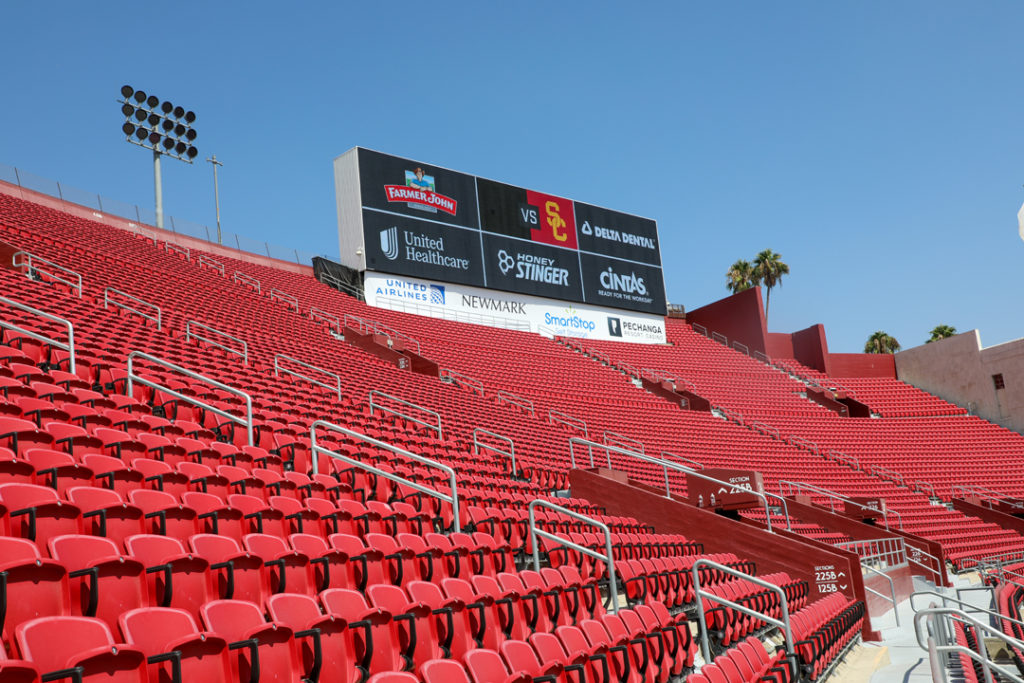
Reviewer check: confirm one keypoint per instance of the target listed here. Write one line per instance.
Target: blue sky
(875, 145)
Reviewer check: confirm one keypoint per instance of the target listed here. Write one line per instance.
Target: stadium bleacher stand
(150, 536)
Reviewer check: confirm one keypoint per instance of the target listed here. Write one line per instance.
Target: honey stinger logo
(418, 192)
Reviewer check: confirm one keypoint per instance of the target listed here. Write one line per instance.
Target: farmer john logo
(419, 193)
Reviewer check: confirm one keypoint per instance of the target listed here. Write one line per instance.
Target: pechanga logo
(419, 193)
(570, 321)
(533, 268)
(389, 242)
(437, 294)
(614, 327)
(630, 284)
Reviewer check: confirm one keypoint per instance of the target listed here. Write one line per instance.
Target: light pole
(161, 127)
(216, 194)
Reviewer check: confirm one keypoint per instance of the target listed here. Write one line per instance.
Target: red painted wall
(739, 317)
(780, 345)
(810, 347)
(862, 365)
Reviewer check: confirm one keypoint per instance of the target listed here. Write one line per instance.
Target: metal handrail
(613, 439)
(628, 369)
(892, 589)
(699, 329)
(783, 624)
(452, 377)
(948, 646)
(938, 570)
(336, 387)
(806, 443)
(168, 246)
(987, 495)
(892, 552)
(69, 346)
(720, 338)
(107, 300)
(29, 261)
(278, 295)
(893, 475)
(189, 335)
(316, 313)
(666, 466)
(524, 403)
(924, 486)
(946, 599)
(315, 449)
(763, 357)
(207, 261)
(798, 485)
(510, 453)
(662, 455)
(765, 428)
(556, 417)
(608, 558)
(246, 279)
(743, 348)
(411, 418)
(134, 378)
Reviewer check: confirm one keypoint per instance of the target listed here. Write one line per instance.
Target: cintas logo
(419, 193)
(630, 284)
(389, 242)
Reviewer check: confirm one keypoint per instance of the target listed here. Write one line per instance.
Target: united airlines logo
(389, 242)
(418, 192)
(437, 295)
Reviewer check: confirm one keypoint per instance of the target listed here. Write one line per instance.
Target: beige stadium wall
(960, 371)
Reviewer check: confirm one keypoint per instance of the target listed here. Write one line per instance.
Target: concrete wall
(960, 371)
(862, 365)
(739, 317)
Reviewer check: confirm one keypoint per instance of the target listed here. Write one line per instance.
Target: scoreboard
(407, 217)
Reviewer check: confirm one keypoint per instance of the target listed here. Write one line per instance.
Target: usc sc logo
(555, 221)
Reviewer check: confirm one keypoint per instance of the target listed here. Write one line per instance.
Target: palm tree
(881, 342)
(941, 332)
(769, 269)
(740, 277)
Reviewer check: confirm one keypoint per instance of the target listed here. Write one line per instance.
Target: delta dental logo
(419, 193)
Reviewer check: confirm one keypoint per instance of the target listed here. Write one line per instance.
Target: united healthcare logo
(389, 242)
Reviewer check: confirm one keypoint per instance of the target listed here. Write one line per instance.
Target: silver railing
(524, 403)
(316, 449)
(317, 314)
(765, 428)
(613, 439)
(663, 454)
(278, 295)
(457, 378)
(675, 467)
(892, 589)
(891, 475)
(720, 338)
(68, 346)
(278, 369)
(24, 259)
(510, 453)
(941, 640)
(844, 459)
(367, 326)
(189, 335)
(880, 553)
(328, 279)
(964, 606)
(556, 417)
(758, 355)
(789, 488)
(608, 558)
(375, 404)
(628, 369)
(158, 318)
(701, 595)
(134, 378)
(699, 329)
(204, 260)
(742, 348)
(249, 280)
(990, 496)
(177, 248)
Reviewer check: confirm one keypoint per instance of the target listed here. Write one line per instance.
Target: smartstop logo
(570, 322)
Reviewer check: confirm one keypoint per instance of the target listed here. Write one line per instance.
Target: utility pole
(216, 194)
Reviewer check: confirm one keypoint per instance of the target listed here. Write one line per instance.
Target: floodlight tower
(161, 127)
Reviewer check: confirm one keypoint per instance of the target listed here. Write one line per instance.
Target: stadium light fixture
(216, 193)
(160, 126)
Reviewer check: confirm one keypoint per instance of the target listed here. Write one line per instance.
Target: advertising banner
(510, 310)
(407, 217)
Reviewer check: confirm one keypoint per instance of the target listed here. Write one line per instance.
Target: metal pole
(158, 187)
(216, 193)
